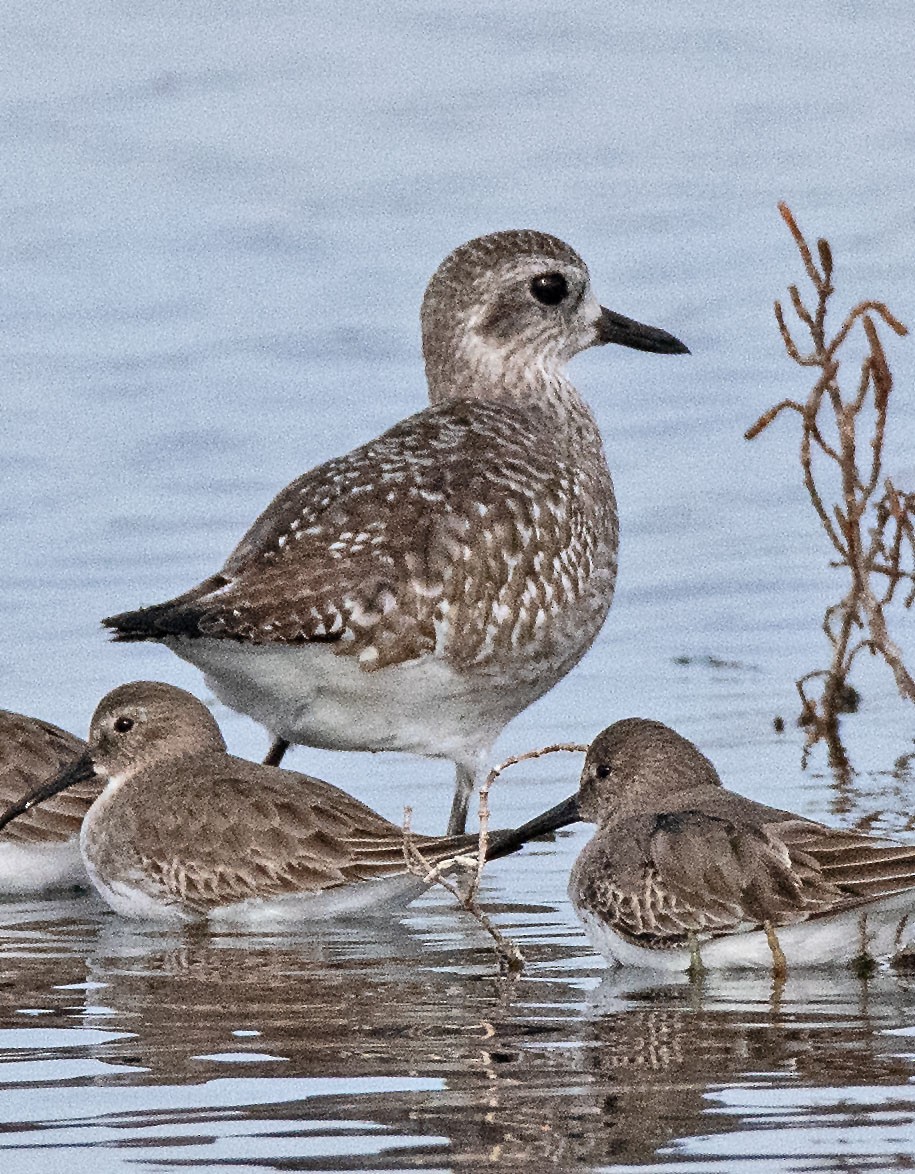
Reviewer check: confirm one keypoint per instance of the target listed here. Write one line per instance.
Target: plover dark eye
(602, 771)
(549, 288)
(123, 724)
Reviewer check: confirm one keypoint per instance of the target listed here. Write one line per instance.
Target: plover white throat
(421, 591)
(184, 831)
(683, 874)
(40, 852)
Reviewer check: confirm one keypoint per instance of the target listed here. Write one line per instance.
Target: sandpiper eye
(123, 724)
(602, 771)
(549, 288)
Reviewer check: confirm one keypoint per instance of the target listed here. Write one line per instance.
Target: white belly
(129, 898)
(27, 869)
(362, 899)
(877, 931)
(307, 694)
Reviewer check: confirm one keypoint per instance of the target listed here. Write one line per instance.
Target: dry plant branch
(511, 960)
(873, 536)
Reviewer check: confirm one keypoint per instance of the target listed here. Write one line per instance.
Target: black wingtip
(121, 630)
(152, 623)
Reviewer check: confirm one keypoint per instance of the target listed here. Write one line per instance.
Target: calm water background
(216, 224)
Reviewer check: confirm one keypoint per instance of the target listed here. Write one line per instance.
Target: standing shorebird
(421, 591)
(41, 852)
(183, 831)
(683, 874)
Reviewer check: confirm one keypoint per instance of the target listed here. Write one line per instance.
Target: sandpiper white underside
(31, 869)
(130, 898)
(877, 930)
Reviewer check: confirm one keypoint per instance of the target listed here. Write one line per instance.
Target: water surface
(216, 223)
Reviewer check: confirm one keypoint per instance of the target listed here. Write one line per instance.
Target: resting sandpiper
(40, 852)
(421, 591)
(183, 831)
(683, 874)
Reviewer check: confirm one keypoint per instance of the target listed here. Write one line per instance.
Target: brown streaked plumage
(40, 851)
(680, 864)
(184, 830)
(419, 592)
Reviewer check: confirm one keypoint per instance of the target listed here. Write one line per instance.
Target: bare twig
(486, 786)
(511, 959)
(873, 536)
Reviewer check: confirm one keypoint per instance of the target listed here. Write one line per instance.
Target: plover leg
(466, 780)
(278, 748)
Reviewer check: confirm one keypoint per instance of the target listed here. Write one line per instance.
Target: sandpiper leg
(278, 748)
(779, 961)
(696, 969)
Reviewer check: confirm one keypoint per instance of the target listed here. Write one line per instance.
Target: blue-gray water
(216, 223)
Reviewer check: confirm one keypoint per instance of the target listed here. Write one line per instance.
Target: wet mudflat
(215, 232)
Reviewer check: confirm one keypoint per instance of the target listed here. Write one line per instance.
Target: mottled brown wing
(861, 867)
(33, 752)
(250, 832)
(420, 541)
(656, 878)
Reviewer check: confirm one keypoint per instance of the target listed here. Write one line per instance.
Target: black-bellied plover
(183, 831)
(41, 852)
(682, 873)
(421, 591)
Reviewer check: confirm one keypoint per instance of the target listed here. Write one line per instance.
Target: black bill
(613, 327)
(504, 842)
(557, 817)
(80, 771)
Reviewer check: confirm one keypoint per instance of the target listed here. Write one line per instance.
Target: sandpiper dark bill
(421, 591)
(683, 874)
(40, 852)
(184, 831)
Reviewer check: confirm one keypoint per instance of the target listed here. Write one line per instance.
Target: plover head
(636, 762)
(507, 309)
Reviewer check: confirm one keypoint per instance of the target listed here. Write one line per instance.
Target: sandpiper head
(636, 762)
(144, 721)
(133, 726)
(516, 300)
